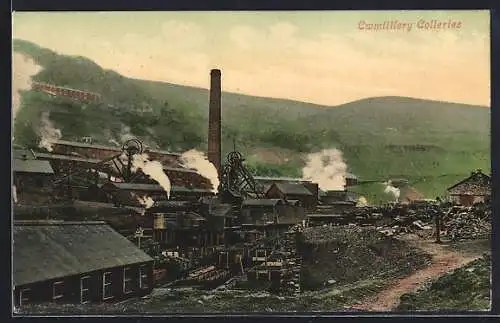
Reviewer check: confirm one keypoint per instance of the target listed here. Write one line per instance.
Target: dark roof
(32, 166)
(261, 202)
(67, 157)
(280, 179)
(161, 152)
(85, 145)
(292, 189)
(171, 204)
(21, 153)
(477, 183)
(221, 210)
(319, 215)
(55, 249)
(340, 195)
(150, 187)
(194, 216)
(179, 169)
(118, 149)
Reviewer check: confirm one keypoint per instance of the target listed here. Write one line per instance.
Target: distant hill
(431, 143)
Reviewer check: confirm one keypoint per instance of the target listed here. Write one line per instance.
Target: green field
(433, 144)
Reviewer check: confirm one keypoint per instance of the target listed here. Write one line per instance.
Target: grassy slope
(379, 136)
(466, 288)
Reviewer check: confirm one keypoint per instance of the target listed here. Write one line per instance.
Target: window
(127, 281)
(84, 289)
(24, 296)
(143, 277)
(57, 290)
(107, 291)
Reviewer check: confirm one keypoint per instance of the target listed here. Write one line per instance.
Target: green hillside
(432, 143)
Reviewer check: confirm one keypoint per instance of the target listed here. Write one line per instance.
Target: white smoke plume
(146, 201)
(198, 161)
(362, 201)
(14, 194)
(327, 168)
(23, 69)
(153, 169)
(125, 134)
(47, 132)
(394, 191)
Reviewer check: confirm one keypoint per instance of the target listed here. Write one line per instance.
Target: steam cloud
(327, 168)
(14, 194)
(362, 201)
(146, 201)
(153, 169)
(394, 191)
(47, 132)
(23, 69)
(198, 161)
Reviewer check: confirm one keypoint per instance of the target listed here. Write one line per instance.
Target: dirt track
(443, 260)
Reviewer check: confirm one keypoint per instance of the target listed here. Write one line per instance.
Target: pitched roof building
(76, 262)
(473, 189)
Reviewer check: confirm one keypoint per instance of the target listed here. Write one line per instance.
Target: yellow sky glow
(322, 57)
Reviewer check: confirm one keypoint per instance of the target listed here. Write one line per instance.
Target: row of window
(107, 289)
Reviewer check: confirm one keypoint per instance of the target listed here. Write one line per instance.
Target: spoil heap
(345, 254)
(468, 224)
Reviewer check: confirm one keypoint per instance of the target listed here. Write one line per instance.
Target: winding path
(443, 260)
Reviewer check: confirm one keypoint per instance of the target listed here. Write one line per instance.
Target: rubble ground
(466, 288)
(355, 253)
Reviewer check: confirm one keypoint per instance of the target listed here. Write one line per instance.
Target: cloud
(188, 35)
(244, 37)
(331, 68)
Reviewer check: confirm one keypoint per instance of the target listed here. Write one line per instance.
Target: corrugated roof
(32, 166)
(261, 202)
(292, 189)
(45, 251)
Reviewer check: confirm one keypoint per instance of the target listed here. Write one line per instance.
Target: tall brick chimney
(214, 120)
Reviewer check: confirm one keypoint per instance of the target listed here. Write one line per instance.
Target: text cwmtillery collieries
(396, 25)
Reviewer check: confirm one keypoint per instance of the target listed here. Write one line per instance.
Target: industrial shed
(262, 211)
(293, 191)
(474, 189)
(128, 193)
(76, 262)
(32, 179)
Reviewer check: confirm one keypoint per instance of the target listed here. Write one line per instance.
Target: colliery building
(32, 179)
(308, 197)
(474, 189)
(76, 262)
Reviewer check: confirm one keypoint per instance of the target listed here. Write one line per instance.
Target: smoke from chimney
(47, 132)
(153, 169)
(23, 69)
(197, 160)
(327, 168)
(394, 191)
(214, 120)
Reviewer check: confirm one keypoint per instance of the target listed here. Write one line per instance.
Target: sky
(323, 57)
